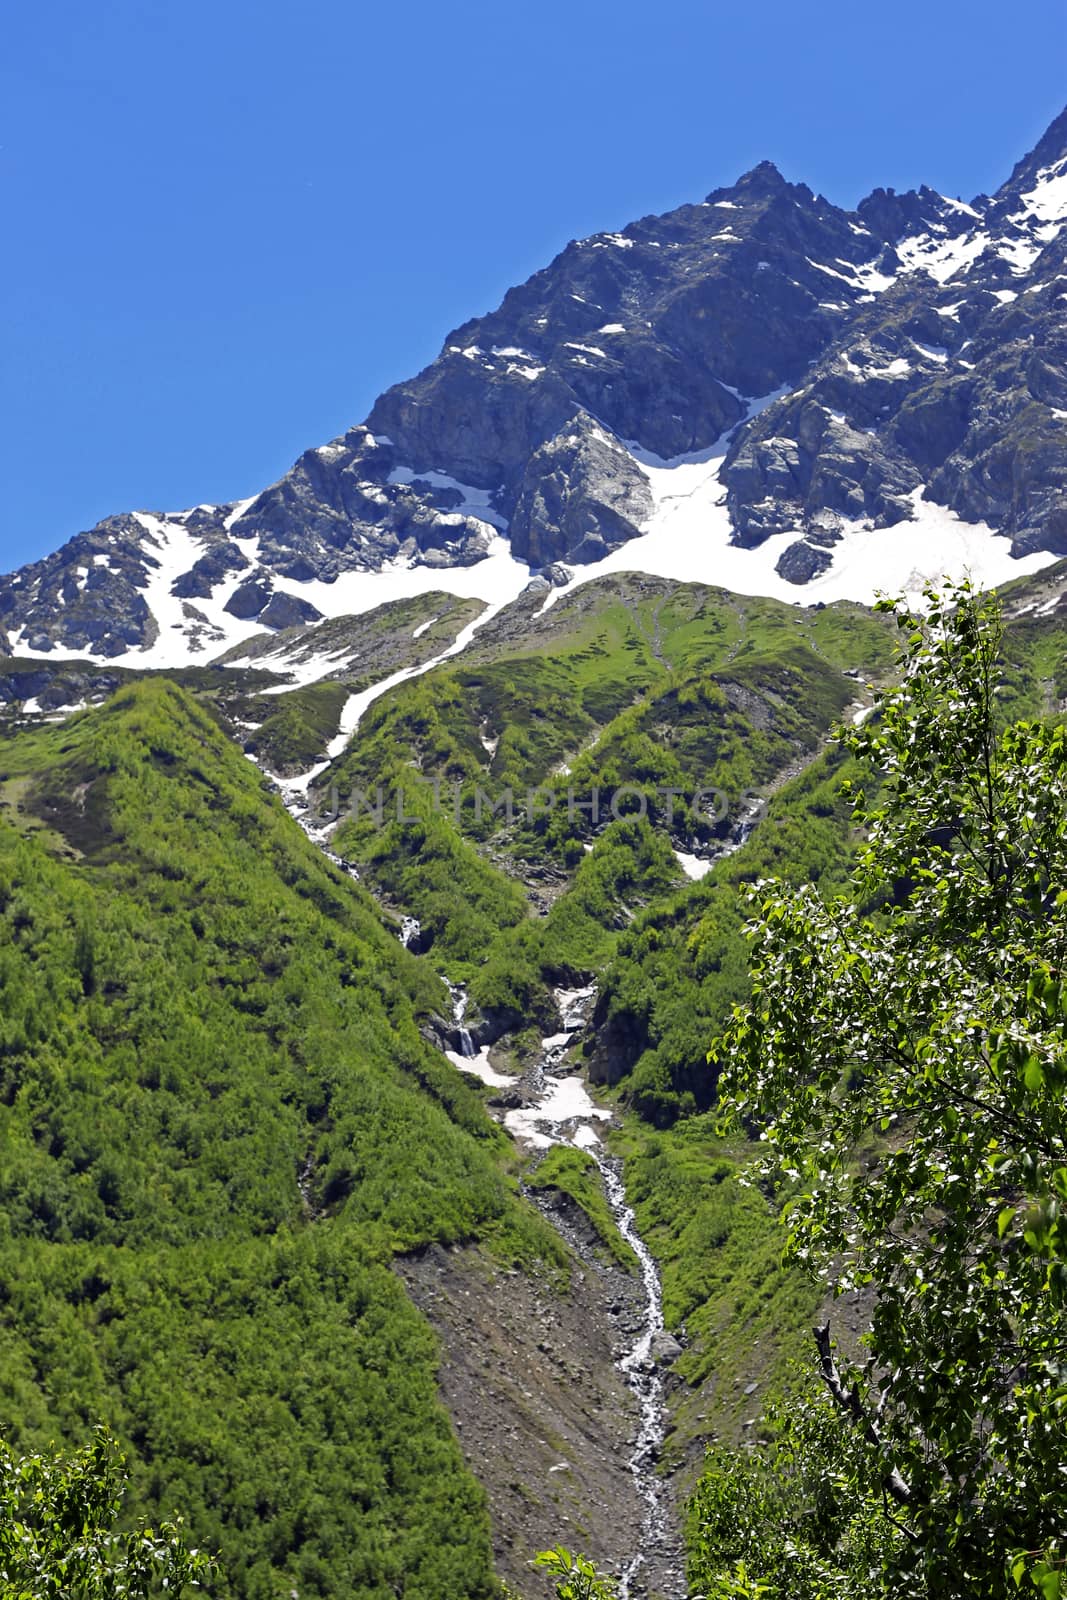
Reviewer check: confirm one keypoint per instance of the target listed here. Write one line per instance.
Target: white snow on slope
(476, 502)
(1044, 210)
(1047, 200)
(300, 669)
(504, 583)
(479, 1065)
(688, 540)
(1020, 254)
(176, 550)
(693, 866)
(240, 507)
(941, 258)
(496, 580)
(567, 1100)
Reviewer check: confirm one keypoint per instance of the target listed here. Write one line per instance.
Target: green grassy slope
(218, 1114)
(666, 992)
(629, 682)
(218, 1119)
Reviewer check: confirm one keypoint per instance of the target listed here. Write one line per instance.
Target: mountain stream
(561, 1111)
(558, 1109)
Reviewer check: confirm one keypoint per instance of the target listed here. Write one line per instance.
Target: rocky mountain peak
(758, 383)
(1050, 152)
(893, 217)
(763, 180)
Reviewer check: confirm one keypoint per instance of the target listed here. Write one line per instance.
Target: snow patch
(1020, 254)
(568, 1100)
(1047, 200)
(479, 1065)
(476, 502)
(941, 258)
(498, 580)
(689, 539)
(239, 509)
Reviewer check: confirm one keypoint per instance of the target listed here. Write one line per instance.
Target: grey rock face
(85, 598)
(255, 599)
(664, 1348)
(802, 561)
(582, 495)
(288, 611)
(249, 600)
(215, 565)
(953, 379)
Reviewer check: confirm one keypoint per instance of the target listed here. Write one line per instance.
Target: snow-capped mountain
(761, 391)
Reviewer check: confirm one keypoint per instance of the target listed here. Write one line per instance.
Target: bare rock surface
(546, 1420)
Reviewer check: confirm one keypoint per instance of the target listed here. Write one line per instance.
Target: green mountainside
(631, 683)
(223, 1109)
(218, 1120)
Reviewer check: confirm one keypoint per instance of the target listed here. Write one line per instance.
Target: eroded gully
(558, 1109)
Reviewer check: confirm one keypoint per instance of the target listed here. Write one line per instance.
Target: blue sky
(230, 225)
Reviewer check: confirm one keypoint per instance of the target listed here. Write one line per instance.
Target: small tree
(578, 1578)
(904, 1053)
(57, 1535)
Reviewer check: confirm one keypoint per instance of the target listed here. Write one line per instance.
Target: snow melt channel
(503, 591)
(564, 1113)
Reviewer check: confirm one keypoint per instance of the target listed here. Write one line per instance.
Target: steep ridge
(908, 365)
(221, 1121)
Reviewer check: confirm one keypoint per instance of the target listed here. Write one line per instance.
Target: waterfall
(642, 1374)
(564, 1113)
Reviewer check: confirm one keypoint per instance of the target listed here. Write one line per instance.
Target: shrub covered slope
(219, 1119)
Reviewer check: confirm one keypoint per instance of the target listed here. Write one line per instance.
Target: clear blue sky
(230, 225)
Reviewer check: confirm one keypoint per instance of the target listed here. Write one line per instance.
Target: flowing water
(561, 1111)
(645, 1379)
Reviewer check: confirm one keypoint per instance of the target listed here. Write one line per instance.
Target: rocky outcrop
(58, 687)
(619, 1036)
(803, 561)
(582, 495)
(952, 379)
(850, 361)
(221, 559)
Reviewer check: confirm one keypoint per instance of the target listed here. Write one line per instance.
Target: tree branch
(848, 1401)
